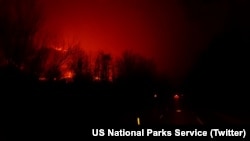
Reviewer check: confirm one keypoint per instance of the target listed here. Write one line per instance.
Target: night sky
(153, 29)
(200, 49)
(172, 33)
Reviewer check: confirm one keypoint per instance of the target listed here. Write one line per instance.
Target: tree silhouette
(133, 67)
(19, 22)
(80, 64)
(62, 59)
(103, 67)
(135, 78)
(38, 63)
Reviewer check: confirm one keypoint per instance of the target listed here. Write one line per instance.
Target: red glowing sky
(155, 29)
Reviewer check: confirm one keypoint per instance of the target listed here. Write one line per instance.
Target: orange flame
(68, 75)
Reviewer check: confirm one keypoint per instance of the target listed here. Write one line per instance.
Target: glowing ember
(176, 96)
(97, 78)
(42, 78)
(178, 111)
(155, 95)
(68, 75)
(60, 49)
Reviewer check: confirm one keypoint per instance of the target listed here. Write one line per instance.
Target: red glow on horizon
(163, 31)
(152, 29)
(157, 30)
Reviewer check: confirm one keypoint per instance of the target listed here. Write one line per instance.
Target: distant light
(176, 96)
(60, 49)
(178, 111)
(42, 78)
(155, 95)
(97, 78)
(54, 78)
(138, 121)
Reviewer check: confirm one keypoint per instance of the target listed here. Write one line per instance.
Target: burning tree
(61, 63)
(61, 60)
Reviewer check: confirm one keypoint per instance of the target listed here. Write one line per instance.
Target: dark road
(172, 113)
(68, 116)
(176, 111)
